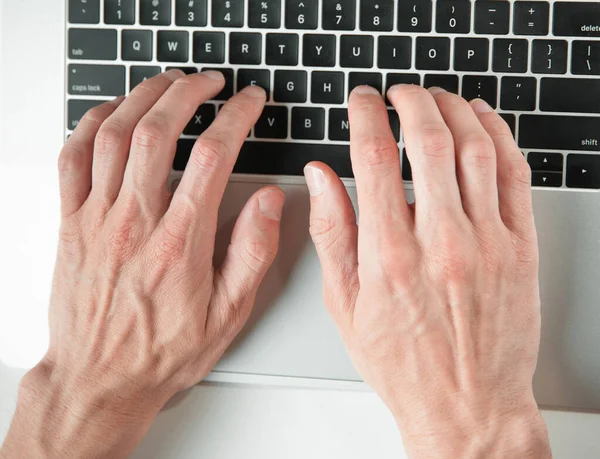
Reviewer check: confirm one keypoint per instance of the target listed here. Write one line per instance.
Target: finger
(430, 149)
(214, 155)
(335, 234)
(253, 248)
(75, 160)
(155, 137)
(376, 164)
(514, 174)
(113, 141)
(475, 157)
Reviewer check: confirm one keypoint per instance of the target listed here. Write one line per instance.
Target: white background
(208, 421)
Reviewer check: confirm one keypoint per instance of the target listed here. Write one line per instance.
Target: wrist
(59, 415)
(521, 433)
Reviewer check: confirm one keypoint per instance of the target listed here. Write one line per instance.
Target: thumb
(335, 234)
(253, 248)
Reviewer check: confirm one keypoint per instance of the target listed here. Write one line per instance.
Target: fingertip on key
(480, 106)
(254, 91)
(174, 74)
(214, 75)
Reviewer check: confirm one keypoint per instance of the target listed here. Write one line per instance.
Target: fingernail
(174, 74)
(315, 179)
(213, 74)
(435, 90)
(270, 204)
(366, 90)
(481, 106)
(255, 91)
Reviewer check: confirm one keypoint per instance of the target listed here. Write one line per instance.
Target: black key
(377, 16)
(327, 88)
(546, 179)
(301, 14)
(98, 44)
(191, 13)
(400, 78)
(549, 56)
(394, 52)
(96, 80)
(227, 13)
(137, 74)
(339, 15)
(481, 87)
(361, 78)
(272, 124)
(209, 47)
(518, 93)
(511, 120)
(510, 55)
(290, 86)
(433, 53)
(227, 90)
(471, 54)
(583, 171)
(453, 16)
(585, 58)
(406, 169)
(254, 77)
(545, 162)
(578, 95)
(356, 51)
(245, 48)
(282, 49)
(201, 120)
(339, 126)
(308, 123)
(318, 50)
(492, 17)
(414, 15)
(172, 46)
(136, 45)
(264, 14)
(119, 12)
(77, 108)
(531, 18)
(186, 70)
(394, 124)
(577, 19)
(554, 132)
(155, 12)
(84, 11)
(445, 81)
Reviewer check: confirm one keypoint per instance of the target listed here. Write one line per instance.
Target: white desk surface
(225, 422)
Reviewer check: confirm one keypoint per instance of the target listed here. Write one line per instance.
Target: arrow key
(545, 162)
(547, 179)
(583, 171)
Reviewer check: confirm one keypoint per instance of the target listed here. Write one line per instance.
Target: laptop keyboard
(536, 62)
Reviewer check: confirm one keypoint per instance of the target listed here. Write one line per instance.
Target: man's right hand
(438, 303)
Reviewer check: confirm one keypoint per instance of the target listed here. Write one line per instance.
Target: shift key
(96, 80)
(558, 132)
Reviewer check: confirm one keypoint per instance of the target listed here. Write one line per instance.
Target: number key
(190, 13)
(301, 14)
(155, 12)
(119, 11)
(377, 15)
(264, 14)
(414, 15)
(453, 16)
(228, 13)
(339, 14)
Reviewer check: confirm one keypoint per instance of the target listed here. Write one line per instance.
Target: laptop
(536, 62)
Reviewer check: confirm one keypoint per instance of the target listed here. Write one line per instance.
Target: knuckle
(479, 150)
(70, 157)
(451, 257)
(172, 242)
(184, 83)
(151, 132)
(209, 154)
(122, 236)
(110, 134)
(377, 151)
(235, 107)
(323, 232)
(497, 127)
(436, 142)
(519, 172)
(257, 255)
(94, 115)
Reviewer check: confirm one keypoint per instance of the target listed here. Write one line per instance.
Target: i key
(339, 15)
(414, 15)
(453, 16)
(301, 14)
(377, 15)
(264, 14)
(228, 13)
